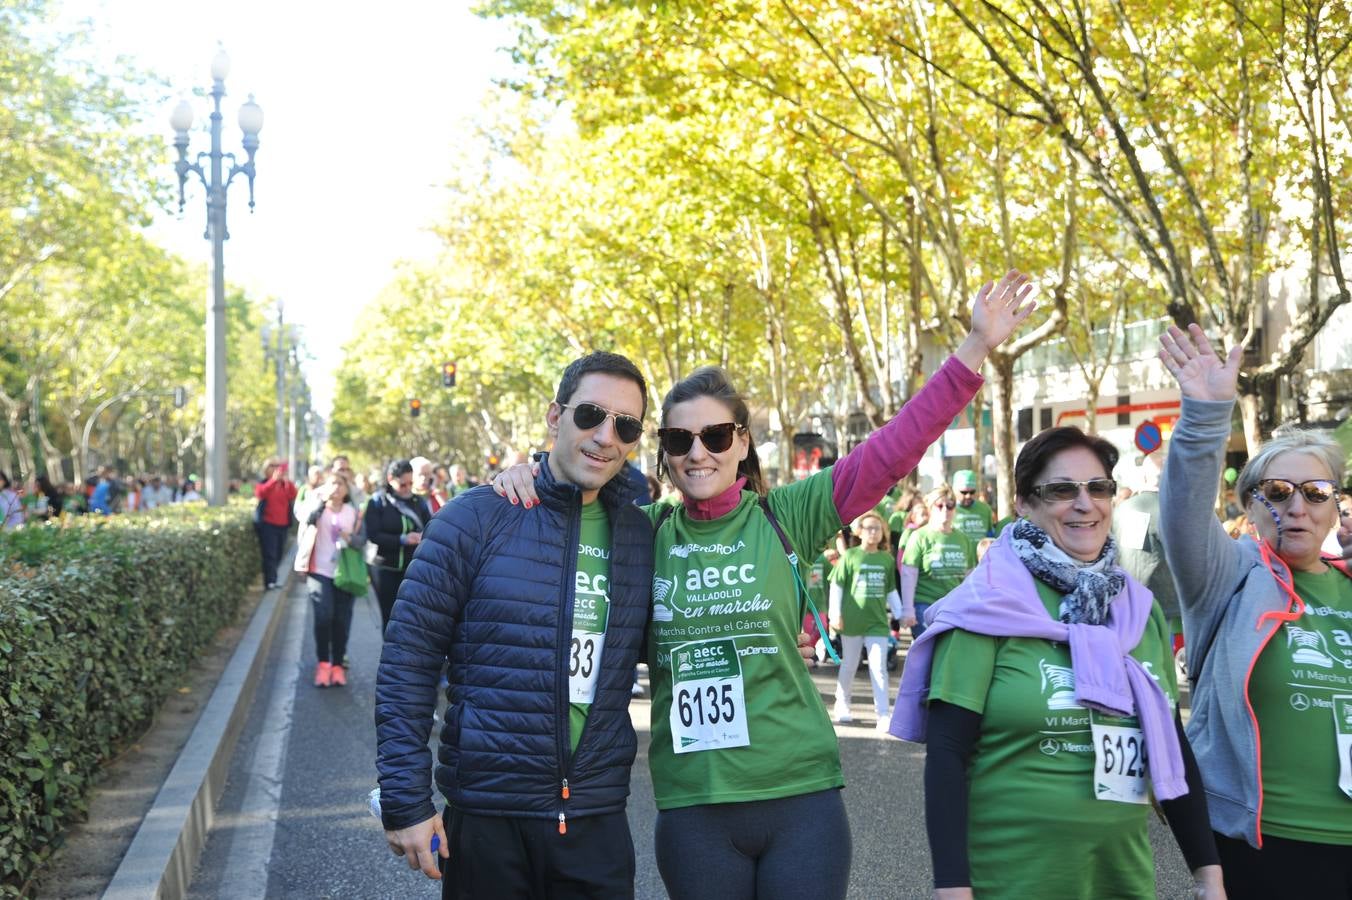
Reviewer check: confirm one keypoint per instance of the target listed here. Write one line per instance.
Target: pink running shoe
(323, 674)
(337, 677)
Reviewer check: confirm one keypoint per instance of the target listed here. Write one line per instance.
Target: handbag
(350, 574)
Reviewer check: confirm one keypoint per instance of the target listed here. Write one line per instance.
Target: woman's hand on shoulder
(1200, 373)
(517, 484)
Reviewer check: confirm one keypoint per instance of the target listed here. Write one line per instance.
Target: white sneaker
(636, 690)
(882, 725)
(843, 718)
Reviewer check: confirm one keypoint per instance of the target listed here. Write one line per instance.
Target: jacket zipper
(562, 716)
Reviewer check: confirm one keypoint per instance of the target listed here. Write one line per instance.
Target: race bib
(1119, 763)
(589, 640)
(1342, 731)
(708, 708)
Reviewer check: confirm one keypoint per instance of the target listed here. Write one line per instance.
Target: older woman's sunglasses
(1061, 491)
(715, 438)
(1279, 490)
(588, 416)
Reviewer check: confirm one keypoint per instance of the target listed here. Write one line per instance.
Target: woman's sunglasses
(946, 504)
(1279, 490)
(1061, 491)
(588, 416)
(715, 438)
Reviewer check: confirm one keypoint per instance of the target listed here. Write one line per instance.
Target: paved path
(293, 821)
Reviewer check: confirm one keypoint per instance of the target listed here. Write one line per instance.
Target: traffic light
(448, 374)
(415, 407)
(493, 460)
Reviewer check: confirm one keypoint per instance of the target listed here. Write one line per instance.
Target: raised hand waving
(1200, 373)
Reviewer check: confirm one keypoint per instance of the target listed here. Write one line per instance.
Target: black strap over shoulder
(783, 538)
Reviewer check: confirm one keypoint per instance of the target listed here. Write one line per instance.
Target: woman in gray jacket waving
(1268, 623)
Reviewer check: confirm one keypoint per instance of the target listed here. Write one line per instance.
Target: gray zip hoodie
(1225, 590)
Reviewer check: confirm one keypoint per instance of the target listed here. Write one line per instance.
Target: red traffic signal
(415, 407)
(448, 374)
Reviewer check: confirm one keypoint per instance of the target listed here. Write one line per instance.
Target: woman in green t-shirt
(935, 560)
(863, 599)
(1268, 620)
(1047, 681)
(745, 764)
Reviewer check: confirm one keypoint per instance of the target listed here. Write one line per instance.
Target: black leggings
(794, 848)
(1285, 869)
(333, 618)
(387, 588)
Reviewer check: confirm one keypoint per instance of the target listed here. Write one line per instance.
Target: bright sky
(362, 105)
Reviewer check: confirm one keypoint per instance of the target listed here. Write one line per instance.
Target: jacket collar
(560, 495)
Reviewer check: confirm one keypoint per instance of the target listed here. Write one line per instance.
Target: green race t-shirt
(735, 714)
(865, 580)
(943, 561)
(1032, 774)
(1302, 680)
(591, 614)
(973, 521)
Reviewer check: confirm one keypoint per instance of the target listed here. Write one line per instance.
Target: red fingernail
(514, 501)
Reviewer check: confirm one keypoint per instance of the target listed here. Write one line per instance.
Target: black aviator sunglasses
(588, 416)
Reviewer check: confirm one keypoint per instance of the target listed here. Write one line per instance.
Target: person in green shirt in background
(908, 514)
(818, 576)
(863, 601)
(936, 559)
(973, 517)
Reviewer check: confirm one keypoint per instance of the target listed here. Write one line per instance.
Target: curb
(165, 850)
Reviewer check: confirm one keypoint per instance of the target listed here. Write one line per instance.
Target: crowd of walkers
(1041, 675)
(353, 533)
(38, 499)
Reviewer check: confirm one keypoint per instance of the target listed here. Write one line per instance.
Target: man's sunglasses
(1279, 490)
(1061, 491)
(588, 416)
(715, 438)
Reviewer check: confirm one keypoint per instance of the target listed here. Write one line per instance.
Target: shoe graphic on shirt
(683, 663)
(1311, 648)
(1061, 682)
(661, 590)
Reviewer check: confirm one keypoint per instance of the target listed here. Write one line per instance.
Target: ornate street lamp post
(216, 183)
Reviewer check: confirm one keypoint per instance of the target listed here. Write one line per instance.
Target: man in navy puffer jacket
(542, 613)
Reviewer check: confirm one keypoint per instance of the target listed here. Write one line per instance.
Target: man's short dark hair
(1045, 445)
(606, 363)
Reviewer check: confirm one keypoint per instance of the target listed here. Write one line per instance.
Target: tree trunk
(1000, 374)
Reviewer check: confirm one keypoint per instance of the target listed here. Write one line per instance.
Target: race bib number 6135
(708, 705)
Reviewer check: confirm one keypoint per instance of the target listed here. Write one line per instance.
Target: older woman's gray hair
(1298, 440)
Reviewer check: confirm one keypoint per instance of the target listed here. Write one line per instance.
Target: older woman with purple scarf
(1044, 688)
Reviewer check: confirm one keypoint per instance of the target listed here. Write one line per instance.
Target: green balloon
(1231, 475)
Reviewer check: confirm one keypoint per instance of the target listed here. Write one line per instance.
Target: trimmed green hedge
(96, 620)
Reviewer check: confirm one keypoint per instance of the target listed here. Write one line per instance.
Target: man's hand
(414, 844)
(953, 893)
(908, 621)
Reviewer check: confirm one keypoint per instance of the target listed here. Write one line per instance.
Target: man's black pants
(496, 857)
(272, 543)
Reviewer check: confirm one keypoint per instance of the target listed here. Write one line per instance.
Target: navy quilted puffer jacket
(491, 588)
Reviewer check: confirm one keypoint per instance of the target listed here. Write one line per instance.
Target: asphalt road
(293, 821)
